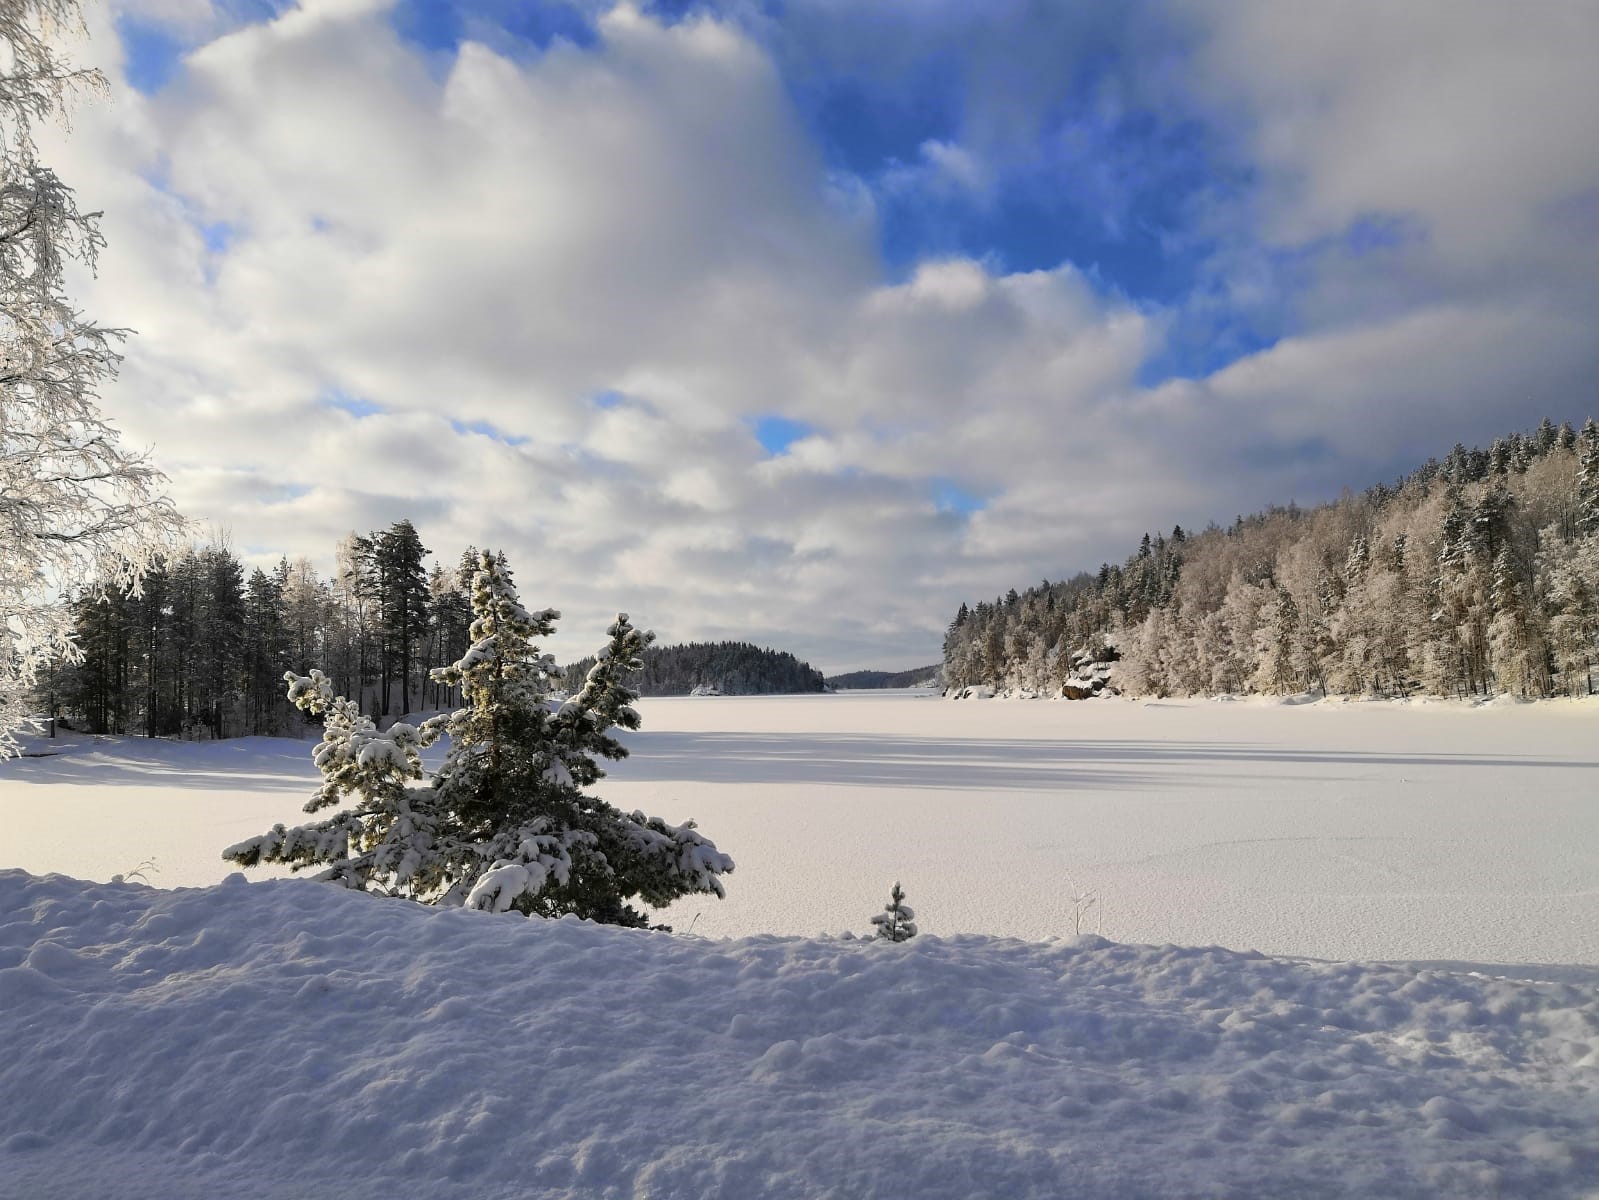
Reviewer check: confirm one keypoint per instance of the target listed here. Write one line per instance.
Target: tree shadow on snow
(252, 764)
(990, 763)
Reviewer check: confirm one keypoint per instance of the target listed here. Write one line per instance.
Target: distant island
(714, 668)
(915, 677)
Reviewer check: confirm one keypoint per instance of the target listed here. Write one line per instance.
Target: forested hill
(1471, 576)
(734, 668)
(916, 677)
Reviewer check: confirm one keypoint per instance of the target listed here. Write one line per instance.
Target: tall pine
(397, 555)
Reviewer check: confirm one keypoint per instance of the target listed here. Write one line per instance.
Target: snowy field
(283, 1040)
(277, 1039)
(1344, 831)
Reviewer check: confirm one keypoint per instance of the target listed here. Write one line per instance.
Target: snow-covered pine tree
(1572, 575)
(1282, 649)
(1520, 660)
(389, 840)
(506, 823)
(1588, 479)
(897, 921)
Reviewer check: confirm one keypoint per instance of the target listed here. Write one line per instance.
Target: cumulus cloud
(541, 300)
(1474, 117)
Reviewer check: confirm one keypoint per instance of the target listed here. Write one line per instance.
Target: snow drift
(285, 1038)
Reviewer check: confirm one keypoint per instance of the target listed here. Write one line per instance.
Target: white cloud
(648, 216)
(1477, 116)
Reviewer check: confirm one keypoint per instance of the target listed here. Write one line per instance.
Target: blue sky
(937, 296)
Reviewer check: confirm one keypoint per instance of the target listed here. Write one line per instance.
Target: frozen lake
(1370, 830)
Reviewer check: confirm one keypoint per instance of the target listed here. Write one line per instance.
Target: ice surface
(1346, 830)
(288, 1039)
(1340, 831)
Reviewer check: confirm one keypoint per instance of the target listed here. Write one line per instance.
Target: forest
(732, 668)
(201, 648)
(915, 677)
(1472, 576)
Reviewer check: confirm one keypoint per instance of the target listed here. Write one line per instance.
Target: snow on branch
(506, 823)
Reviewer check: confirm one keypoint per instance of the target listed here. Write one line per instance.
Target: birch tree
(77, 509)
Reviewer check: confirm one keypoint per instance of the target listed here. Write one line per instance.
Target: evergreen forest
(1470, 577)
(915, 677)
(732, 668)
(201, 648)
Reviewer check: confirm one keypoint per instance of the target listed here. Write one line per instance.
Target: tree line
(733, 668)
(1471, 576)
(200, 649)
(916, 677)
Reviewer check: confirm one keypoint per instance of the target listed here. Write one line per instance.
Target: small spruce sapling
(897, 921)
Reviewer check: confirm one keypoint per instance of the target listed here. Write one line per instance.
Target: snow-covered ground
(1349, 831)
(285, 1039)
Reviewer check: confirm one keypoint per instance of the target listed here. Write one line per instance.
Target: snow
(277, 1038)
(282, 1038)
(1338, 831)
(1343, 830)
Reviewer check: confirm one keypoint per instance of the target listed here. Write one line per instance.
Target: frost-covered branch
(77, 510)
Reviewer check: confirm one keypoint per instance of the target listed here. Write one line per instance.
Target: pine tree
(149, 616)
(355, 587)
(1572, 576)
(897, 921)
(403, 605)
(1516, 660)
(506, 823)
(449, 618)
(1454, 530)
(1282, 647)
(1358, 559)
(307, 616)
(1547, 437)
(1588, 479)
(1490, 521)
(220, 627)
(388, 840)
(1499, 457)
(265, 648)
(97, 689)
